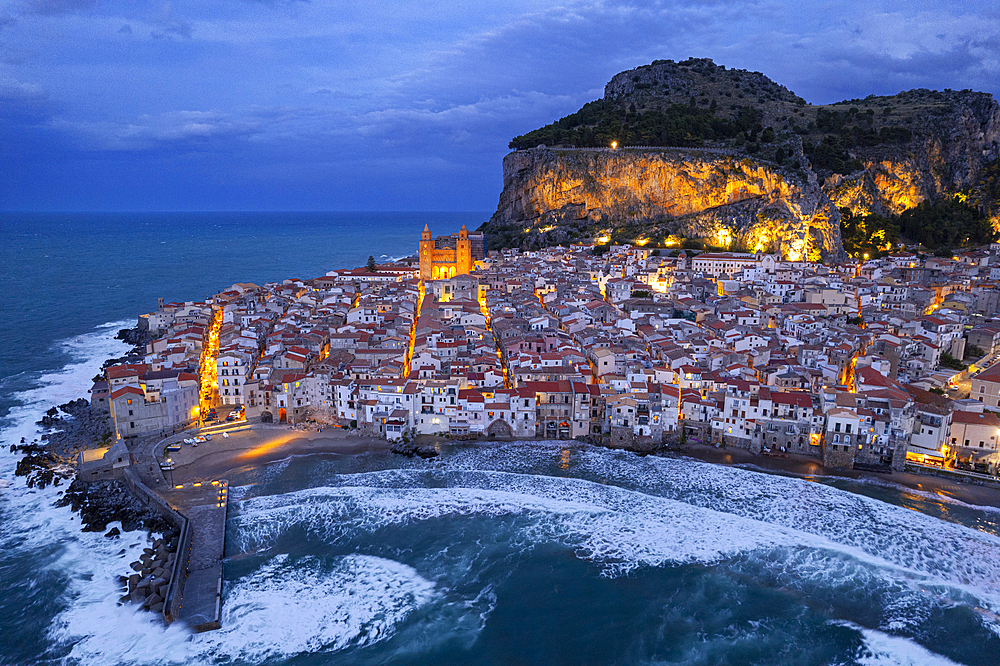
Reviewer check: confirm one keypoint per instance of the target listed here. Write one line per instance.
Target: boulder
(136, 566)
(157, 607)
(133, 581)
(113, 532)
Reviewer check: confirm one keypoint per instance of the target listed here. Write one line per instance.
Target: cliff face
(725, 199)
(773, 170)
(946, 154)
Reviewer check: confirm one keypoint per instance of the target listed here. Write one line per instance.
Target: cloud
(23, 103)
(170, 23)
(172, 131)
(125, 30)
(347, 95)
(53, 7)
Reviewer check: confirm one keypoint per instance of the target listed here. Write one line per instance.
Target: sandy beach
(262, 445)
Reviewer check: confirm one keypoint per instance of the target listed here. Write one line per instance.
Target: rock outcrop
(947, 152)
(725, 199)
(771, 171)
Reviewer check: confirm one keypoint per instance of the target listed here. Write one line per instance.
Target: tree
(371, 264)
(952, 363)
(972, 351)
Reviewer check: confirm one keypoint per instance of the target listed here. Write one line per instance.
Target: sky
(132, 105)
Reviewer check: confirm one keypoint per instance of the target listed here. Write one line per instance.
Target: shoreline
(811, 469)
(268, 445)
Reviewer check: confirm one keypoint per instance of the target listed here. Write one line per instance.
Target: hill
(872, 156)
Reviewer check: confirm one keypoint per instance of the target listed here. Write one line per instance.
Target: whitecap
(881, 649)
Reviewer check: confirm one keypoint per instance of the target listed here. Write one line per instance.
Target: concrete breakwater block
(149, 585)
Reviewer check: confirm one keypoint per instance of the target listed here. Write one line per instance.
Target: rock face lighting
(771, 174)
(730, 201)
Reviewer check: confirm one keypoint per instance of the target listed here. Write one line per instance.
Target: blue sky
(297, 105)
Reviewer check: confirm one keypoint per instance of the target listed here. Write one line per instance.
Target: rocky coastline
(72, 427)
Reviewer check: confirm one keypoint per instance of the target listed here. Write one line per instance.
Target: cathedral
(446, 257)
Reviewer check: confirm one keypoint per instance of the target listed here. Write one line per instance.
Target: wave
(285, 607)
(869, 529)
(881, 649)
(27, 512)
(841, 551)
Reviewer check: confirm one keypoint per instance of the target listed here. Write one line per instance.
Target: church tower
(426, 254)
(463, 253)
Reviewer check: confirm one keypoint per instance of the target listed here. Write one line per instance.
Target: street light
(614, 145)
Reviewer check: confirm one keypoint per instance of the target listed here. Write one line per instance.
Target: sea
(514, 553)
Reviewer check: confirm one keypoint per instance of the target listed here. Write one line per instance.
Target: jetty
(196, 593)
(197, 509)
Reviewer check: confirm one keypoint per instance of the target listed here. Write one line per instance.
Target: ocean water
(66, 274)
(507, 554)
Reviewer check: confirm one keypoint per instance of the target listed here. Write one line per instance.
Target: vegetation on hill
(946, 224)
(697, 103)
(600, 122)
(873, 235)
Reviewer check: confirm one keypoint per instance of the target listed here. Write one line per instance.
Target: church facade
(444, 259)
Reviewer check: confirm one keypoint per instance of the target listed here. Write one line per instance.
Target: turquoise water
(516, 553)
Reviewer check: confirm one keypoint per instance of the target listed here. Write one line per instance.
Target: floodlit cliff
(954, 135)
(735, 160)
(728, 200)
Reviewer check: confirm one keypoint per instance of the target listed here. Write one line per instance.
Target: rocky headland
(734, 160)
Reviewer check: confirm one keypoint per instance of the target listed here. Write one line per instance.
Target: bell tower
(426, 253)
(463, 253)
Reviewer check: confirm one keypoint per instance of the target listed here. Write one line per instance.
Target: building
(986, 387)
(445, 258)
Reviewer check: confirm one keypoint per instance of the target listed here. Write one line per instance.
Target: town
(872, 364)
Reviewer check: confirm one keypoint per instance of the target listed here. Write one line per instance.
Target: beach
(265, 444)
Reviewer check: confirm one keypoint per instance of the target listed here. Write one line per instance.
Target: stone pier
(197, 596)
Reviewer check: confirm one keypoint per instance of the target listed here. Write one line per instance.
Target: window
(130, 411)
(848, 427)
(836, 428)
(836, 438)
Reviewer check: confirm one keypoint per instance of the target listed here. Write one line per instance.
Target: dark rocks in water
(113, 532)
(103, 502)
(136, 337)
(40, 467)
(86, 429)
(410, 450)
